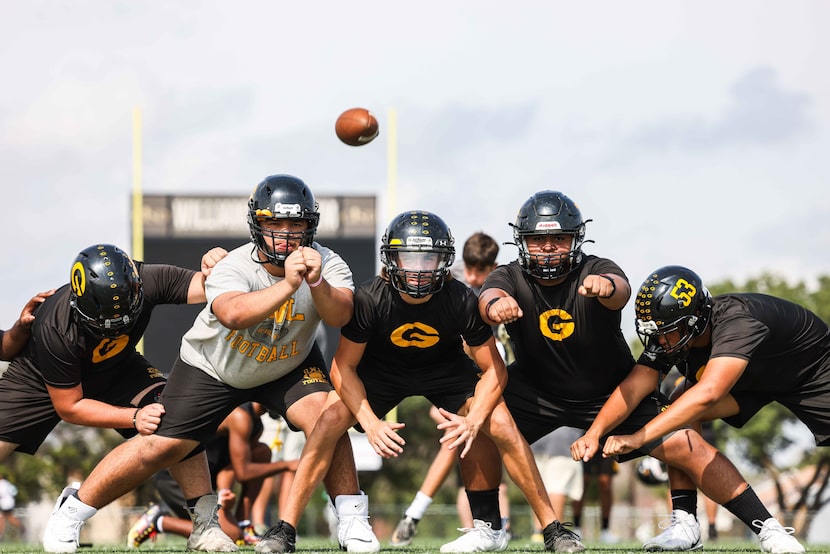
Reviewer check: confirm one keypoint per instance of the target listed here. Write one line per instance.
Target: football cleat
(146, 527)
(279, 539)
(404, 532)
(777, 539)
(558, 538)
(682, 533)
(481, 538)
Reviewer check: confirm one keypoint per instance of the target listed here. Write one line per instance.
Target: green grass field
(313, 545)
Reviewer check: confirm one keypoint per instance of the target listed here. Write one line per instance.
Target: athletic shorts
(27, 415)
(811, 407)
(561, 475)
(536, 416)
(448, 388)
(598, 465)
(195, 403)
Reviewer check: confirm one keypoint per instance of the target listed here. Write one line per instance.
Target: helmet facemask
(549, 212)
(552, 265)
(273, 243)
(417, 251)
(668, 342)
(417, 273)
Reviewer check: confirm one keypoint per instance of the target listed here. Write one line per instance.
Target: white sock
(159, 524)
(419, 506)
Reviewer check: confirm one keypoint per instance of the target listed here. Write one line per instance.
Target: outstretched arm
(708, 399)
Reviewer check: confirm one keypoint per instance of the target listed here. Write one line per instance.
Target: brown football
(356, 127)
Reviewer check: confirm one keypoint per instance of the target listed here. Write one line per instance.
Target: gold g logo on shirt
(419, 335)
(109, 347)
(556, 324)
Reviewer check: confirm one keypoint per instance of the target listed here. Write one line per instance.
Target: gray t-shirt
(262, 353)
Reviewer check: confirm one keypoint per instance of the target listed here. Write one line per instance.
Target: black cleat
(558, 538)
(279, 539)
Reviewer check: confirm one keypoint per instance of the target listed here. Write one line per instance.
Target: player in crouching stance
(254, 341)
(405, 339)
(739, 352)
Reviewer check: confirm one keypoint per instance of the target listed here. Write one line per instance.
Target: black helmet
(106, 292)
(549, 213)
(281, 197)
(671, 299)
(652, 471)
(417, 251)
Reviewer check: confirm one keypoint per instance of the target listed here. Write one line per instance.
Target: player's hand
(211, 258)
(384, 438)
(596, 286)
(148, 418)
(585, 447)
(313, 263)
(295, 269)
(27, 316)
(227, 499)
(620, 444)
(457, 431)
(504, 310)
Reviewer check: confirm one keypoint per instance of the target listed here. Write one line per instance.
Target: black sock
(684, 499)
(748, 507)
(577, 520)
(605, 523)
(484, 506)
(191, 503)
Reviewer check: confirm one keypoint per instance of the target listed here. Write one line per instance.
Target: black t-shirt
(569, 345)
(786, 344)
(62, 355)
(409, 339)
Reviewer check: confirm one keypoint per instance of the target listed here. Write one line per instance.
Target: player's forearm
(93, 413)
(240, 311)
(252, 471)
(335, 305)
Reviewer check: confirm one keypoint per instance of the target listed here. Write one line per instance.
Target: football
(356, 127)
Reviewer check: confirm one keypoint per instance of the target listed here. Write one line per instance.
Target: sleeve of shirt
(737, 333)
(335, 269)
(166, 284)
(359, 327)
(475, 331)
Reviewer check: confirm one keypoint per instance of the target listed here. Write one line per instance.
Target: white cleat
(62, 534)
(681, 534)
(777, 539)
(481, 538)
(353, 530)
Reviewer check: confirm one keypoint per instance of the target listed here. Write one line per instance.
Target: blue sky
(690, 132)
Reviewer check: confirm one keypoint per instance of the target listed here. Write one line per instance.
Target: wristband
(613, 285)
(490, 305)
(317, 284)
(135, 415)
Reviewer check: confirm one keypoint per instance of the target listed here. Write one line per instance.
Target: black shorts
(536, 416)
(27, 415)
(195, 403)
(598, 465)
(811, 407)
(447, 387)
